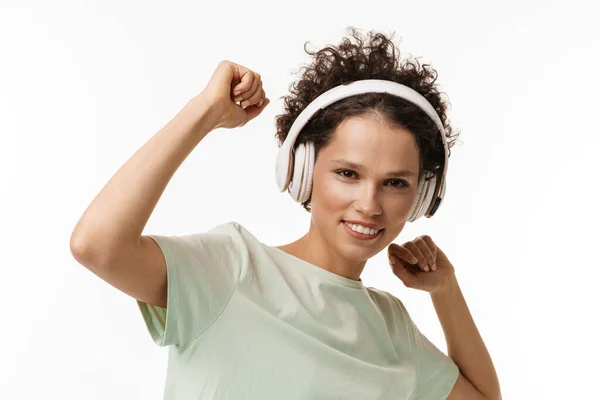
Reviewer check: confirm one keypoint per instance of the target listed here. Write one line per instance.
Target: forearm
(119, 213)
(465, 345)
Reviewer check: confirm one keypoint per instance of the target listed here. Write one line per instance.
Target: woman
(251, 321)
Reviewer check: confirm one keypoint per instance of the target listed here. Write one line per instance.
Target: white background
(84, 84)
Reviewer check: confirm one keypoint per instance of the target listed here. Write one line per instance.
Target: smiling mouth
(361, 235)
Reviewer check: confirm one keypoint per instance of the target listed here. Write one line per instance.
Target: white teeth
(362, 229)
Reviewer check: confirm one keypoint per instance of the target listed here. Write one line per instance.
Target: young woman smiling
(364, 148)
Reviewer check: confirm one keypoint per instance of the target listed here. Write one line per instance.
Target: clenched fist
(235, 94)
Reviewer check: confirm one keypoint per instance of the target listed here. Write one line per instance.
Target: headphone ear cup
(427, 198)
(425, 190)
(417, 203)
(424, 198)
(442, 194)
(295, 187)
(307, 175)
(301, 185)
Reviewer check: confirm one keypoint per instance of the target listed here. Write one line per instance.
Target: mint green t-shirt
(245, 320)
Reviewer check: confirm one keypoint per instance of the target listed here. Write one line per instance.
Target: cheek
(399, 210)
(331, 194)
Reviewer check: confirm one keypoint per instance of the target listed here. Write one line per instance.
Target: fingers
(228, 72)
(421, 249)
(249, 90)
(431, 247)
(402, 253)
(255, 98)
(253, 111)
(263, 96)
(415, 252)
(237, 73)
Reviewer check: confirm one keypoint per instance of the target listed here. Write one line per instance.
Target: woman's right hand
(222, 90)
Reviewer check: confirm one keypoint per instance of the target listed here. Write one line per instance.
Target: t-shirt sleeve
(435, 372)
(202, 272)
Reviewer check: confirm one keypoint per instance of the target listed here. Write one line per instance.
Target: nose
(368, 200)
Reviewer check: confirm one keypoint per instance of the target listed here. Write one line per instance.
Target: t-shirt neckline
(321, 271)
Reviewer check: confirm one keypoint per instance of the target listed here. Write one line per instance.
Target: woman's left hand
(421, 265)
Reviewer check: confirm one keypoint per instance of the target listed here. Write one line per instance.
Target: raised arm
(108, 237)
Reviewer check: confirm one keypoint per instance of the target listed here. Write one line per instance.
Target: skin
(367, 193)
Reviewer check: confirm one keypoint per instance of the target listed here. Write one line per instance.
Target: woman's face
(361, 175)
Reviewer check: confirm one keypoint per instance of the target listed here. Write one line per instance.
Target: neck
(313, 248)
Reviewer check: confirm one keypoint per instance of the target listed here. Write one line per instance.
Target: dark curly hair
(373, 57)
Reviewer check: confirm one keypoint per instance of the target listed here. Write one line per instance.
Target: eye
(346, 173)
(399, 183)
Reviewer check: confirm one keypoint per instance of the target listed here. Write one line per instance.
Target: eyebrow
(352, 165)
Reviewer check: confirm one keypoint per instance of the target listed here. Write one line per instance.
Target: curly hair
(372, 57)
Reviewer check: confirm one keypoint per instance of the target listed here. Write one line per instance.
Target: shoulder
(391, 307)
(386, 299)
(224, 237)
(238, 235)
(227, 226)
(231, 229)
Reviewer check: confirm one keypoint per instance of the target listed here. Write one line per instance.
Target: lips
(358, 235)
(364, 224)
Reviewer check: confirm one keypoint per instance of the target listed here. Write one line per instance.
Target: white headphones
(298, 180)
